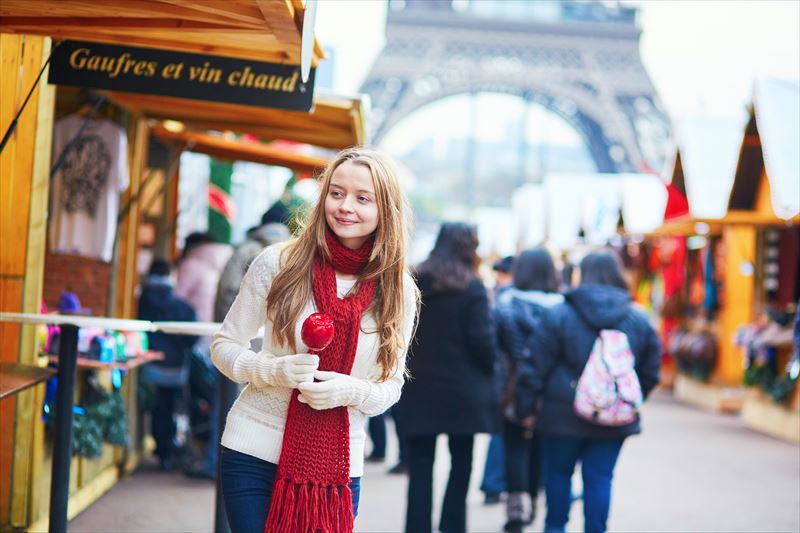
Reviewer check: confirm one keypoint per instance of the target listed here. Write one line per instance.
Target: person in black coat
(451, 362)
(560, 349)
(518, 313)
(158, 303)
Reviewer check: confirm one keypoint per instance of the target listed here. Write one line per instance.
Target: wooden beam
(242, 151)
(106, 23)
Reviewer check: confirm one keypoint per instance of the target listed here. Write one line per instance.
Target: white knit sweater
(256, 420)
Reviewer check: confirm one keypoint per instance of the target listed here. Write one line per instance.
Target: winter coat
(233, 273)
(560, 349)
(517, 315)
(451, 361)
(198, 277)
(158, 303)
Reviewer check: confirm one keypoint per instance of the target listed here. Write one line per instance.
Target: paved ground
(689, 471)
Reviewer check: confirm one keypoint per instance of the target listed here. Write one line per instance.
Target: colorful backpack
(608, 392)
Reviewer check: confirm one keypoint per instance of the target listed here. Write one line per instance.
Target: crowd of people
(508, 363)
(200, 286)
(520, 362)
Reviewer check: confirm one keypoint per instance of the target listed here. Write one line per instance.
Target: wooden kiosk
(703, 163)
(251, 29)
(765, 203)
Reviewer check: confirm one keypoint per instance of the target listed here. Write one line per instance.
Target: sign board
(181, 75)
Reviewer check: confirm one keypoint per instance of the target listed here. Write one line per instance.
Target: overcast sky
(701, 55)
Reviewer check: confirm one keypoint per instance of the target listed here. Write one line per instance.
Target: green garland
(779, 389)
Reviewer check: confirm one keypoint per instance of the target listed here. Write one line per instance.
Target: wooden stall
(765, 202)
(681, 257)
(252, 29)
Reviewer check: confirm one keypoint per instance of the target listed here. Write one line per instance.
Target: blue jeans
(247, 490)
(598, 458)
(494, 472)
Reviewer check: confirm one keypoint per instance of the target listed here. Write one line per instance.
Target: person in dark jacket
(158, 303)
(560, 349)
(451, 362)
(518, 312)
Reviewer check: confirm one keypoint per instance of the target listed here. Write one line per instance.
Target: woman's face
(351, 207)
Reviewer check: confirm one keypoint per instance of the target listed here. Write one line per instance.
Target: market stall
(683, 259)
(766, 200)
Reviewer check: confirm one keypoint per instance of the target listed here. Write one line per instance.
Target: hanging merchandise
(221, 207)
(85, 191)
(710, 302)
(772, 252)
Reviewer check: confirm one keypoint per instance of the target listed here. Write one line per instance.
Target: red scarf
(311, 491)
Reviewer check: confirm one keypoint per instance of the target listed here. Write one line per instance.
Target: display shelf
(15, 377)
(760, 413)
(708, 396)
(133, 362)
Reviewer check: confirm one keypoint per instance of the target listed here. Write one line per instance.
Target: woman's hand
(290, 370)
(333, 390)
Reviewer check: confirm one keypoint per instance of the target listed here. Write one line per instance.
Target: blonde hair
(292, 287)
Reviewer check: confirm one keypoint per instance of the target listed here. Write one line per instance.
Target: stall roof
(703, 162)
(771, 144)
(240, 150)
(263, 30)
(334, 122)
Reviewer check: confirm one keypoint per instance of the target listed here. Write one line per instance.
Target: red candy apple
(317, 331)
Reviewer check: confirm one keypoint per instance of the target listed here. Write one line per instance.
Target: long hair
(292, 287)
(453, 262)
(534, 271)
(602, 268)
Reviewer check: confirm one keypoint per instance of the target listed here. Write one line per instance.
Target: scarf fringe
(310, 508)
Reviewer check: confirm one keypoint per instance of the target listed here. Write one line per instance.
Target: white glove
(333, 390)
(287, 371)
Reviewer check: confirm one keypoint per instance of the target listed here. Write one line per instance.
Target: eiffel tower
(580, 60)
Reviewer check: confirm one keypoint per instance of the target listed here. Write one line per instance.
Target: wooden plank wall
(24, 169)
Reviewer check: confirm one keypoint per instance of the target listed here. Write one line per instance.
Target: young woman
(560, 349)
(452, 366)
(518, 313)
(293, 446)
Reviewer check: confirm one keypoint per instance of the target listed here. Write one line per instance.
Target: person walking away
(597, 314)
(169, 376)
(293, 445)
(494, 473)
(518, 315)
(452, 365)
(199, 271)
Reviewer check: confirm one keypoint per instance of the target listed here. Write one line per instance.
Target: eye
(363, 199)
(336, 194)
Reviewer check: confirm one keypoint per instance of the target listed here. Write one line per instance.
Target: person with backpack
(594, 359)
(518, 314)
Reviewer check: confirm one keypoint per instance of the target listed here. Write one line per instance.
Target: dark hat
(504, 264)
(277, 213)
(70, 304)
(160, 267)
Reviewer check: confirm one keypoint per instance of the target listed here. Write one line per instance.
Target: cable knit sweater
(256, 421)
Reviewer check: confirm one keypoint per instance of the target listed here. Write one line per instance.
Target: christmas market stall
(684, 266)
(764, 263)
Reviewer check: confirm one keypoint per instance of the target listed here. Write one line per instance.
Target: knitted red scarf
(311, 491)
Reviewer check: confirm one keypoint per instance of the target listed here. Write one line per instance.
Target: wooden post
(24, 183)
(126, 276)
(739, 293)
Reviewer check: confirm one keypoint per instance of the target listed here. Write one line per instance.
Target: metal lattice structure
(584, 67)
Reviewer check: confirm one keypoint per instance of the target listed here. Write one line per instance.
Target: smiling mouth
(345, 222)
